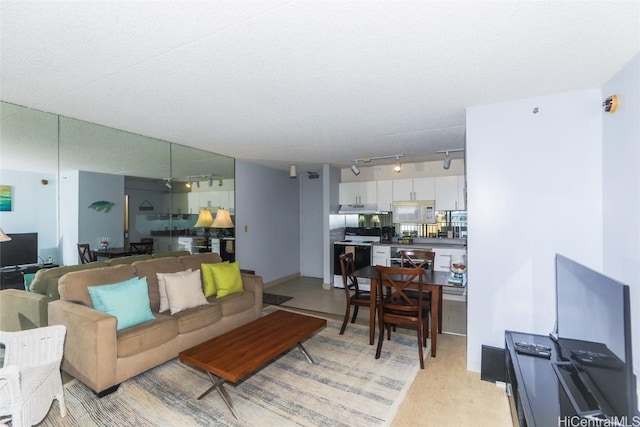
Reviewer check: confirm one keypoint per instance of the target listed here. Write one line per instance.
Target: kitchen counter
(429, 243)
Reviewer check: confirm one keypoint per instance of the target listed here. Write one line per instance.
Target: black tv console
(14, 278)
(535, 394)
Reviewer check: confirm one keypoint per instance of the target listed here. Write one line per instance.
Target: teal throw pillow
(128, 301)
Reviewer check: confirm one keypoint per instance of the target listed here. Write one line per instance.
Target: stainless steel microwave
(414, 212)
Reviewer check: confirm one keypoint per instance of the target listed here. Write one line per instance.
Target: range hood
(364, 209)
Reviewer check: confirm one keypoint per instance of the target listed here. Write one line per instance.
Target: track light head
(168, 184)
(293, 171)
(397, 167)
(355, 169)
(447, 160)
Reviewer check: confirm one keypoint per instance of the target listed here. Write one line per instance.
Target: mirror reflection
(76, 182)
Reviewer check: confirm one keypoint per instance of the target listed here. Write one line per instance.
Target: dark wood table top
(244, 350)
(439, 278)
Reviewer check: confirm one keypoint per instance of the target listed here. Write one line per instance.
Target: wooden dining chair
(398, 307)
(84, 252)
(355, 297)
(141, 248)
(417, 258)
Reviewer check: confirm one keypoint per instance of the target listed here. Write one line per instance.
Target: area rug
(274, 299)
(346, 387)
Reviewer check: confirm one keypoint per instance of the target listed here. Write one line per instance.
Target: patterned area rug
(346, 387)
(274, 299)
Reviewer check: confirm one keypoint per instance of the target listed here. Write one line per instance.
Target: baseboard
(281, 280)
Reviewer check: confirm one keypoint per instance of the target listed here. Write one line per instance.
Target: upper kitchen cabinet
(414, 189)
(450, 193)
(385, 194)
(358, 192)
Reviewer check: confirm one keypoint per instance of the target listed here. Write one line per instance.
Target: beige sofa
(21, 310)
(102, 357)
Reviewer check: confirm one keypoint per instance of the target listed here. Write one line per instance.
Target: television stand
(13, 277)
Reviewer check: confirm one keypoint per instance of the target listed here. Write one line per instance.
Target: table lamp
(223, 220)
(205, 220)
(4, 237)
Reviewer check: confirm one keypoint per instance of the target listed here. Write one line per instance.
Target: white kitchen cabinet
(381, 255)
(211, 199)
(413, 189)
(385, 194)
(450, 192)
(357, 192)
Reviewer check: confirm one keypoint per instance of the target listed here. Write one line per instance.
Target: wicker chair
(30, 377)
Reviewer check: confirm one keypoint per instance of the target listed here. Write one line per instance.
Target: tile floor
(308, 294)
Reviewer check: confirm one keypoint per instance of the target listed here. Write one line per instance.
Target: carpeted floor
(347, 386)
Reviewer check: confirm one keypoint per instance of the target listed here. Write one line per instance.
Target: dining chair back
(355, 297)
(418, 258)
(402, 304)
(141, 248)
(84, 252)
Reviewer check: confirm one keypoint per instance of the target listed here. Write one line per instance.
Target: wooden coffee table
(236, 354)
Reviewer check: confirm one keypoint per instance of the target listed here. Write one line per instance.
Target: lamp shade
(4, 237)
(204, 219)
(223, 219)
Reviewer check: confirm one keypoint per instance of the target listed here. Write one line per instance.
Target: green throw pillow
(128, 301)
(227, 278)
(208, 284)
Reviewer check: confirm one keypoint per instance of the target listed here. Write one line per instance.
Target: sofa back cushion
(45, 281)
(128, 259)
(194, 261)
(73, 286)
(150, 268)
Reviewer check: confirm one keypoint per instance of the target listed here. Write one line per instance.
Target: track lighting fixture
(188, 184)
(354, 168)
(447, 161)
(210, 180)
(168, 184)
(447, 157)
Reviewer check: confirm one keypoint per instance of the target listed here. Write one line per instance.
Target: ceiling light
(355, 169)
(447, 161)
(293, 171)
(397, 168)
(168, 184)
(188, 184)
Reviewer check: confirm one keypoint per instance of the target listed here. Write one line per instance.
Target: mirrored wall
(76, 182)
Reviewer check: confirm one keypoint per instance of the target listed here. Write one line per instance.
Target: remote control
(531, 352)
(532, 346)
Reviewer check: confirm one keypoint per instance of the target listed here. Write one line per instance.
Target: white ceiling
(309, 82)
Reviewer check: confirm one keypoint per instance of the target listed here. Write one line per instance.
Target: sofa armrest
(254, 284)
(21, 310)
(91, 346)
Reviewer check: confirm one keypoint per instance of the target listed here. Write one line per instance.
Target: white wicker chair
(30, 376)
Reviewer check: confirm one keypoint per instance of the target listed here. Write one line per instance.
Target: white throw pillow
(184, 291)
(162, 287)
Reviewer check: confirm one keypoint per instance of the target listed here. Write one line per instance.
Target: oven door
(362, 258)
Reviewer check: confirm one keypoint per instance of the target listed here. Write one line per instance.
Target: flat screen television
(22, 249)
(593, 332)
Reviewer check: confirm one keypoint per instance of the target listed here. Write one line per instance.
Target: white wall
(35, 209)
(267, 204)
(311, 230)
(534, 189)
(621, 159)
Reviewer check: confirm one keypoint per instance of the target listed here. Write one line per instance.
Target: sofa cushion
(162, 288)
(235, 303)
(128, 259)
(73, 286)
(184, 291)
(150, 268)
(148, 335)
(127, 301)
(208, 284)
(198, 317)
(194, 261)
(46, 280)
(227, 278)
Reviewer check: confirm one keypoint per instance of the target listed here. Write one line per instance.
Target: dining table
(433, 281)
(110, 252)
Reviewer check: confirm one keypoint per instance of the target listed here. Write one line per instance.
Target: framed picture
(6, 198)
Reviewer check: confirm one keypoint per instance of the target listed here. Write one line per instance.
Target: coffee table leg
(217, 385)
(306, 354)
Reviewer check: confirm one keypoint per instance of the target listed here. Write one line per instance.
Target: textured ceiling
(309, 82)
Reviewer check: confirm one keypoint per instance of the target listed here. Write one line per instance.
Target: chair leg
(355, 313)
(380, 339)
(419, 326)
(346, 319)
